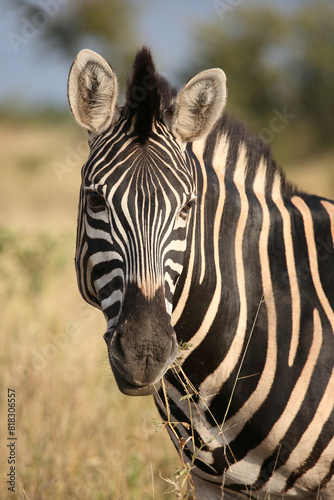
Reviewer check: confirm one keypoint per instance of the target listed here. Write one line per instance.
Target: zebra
(215, 277)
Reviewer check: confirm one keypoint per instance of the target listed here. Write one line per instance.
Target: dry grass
(78, 437)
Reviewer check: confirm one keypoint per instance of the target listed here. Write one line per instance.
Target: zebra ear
(92, 91)
(199, 105)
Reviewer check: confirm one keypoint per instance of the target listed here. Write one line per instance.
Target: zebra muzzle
(142, 346)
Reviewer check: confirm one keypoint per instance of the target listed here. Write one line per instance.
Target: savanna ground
(77, 436)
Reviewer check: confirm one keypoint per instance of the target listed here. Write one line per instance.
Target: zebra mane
(148, 93)
(237, 134)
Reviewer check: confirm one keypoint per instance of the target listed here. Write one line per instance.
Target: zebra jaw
(143, 345)
(132, 390)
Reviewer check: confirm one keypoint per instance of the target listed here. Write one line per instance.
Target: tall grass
(77, 436)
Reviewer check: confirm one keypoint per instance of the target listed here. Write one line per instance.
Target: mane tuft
(148, 93)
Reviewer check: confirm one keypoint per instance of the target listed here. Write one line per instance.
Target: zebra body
(190, 236)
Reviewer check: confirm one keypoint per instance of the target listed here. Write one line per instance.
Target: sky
(32, 75)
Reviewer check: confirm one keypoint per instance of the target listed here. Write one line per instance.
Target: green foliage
(66, 26)
(14, 113)
(26, 263)
(312, 65)
(274, 60)
(241, 45)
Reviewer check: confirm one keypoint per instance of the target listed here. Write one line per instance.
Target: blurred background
(78, 438)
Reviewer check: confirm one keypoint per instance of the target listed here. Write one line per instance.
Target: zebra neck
(237, 157)
(238, 193)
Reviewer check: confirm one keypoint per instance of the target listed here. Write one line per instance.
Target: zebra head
(138, 188)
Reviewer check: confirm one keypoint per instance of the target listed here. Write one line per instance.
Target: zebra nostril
(108, 335)
(116, 345)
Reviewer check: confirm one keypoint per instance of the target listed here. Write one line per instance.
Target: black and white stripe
(130, 242)
(196, 211)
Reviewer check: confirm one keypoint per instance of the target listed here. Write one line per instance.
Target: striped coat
(215, 276)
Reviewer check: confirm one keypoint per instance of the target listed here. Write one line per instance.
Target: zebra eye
(95, 201)
(184, 212)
